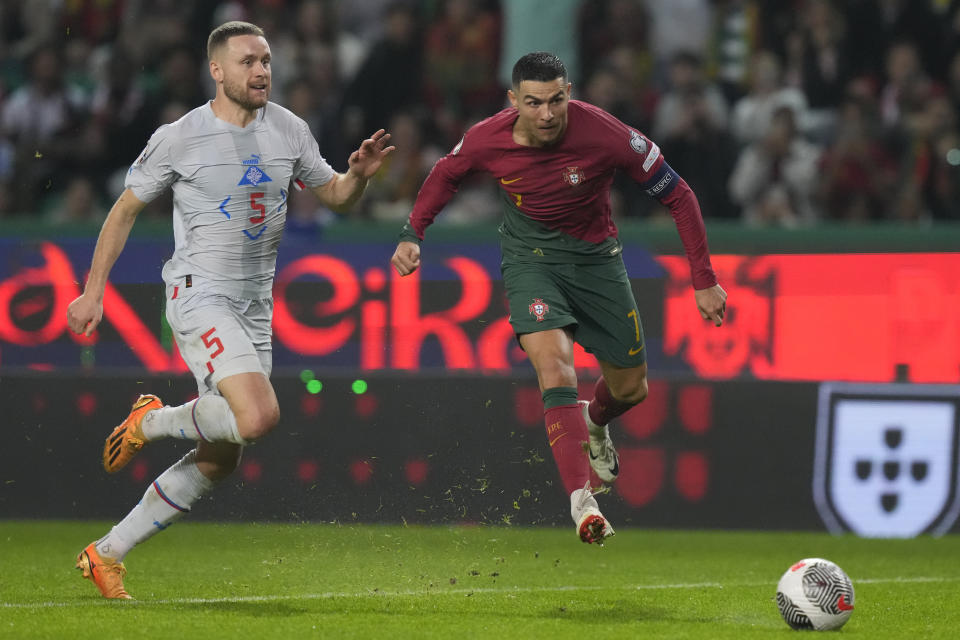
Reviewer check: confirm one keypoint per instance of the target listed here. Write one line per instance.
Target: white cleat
(603, 456)
(591, 525)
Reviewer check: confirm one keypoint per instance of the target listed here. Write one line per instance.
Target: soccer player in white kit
(230, 163)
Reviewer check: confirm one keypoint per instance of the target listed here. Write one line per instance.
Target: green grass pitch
(201, 580)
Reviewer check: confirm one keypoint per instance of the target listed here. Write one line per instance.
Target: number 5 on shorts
(210, 342)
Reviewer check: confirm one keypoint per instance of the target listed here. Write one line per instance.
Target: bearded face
(243, 67)
(250, 94)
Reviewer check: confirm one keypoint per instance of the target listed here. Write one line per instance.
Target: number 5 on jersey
(210, 341)
(258, 206)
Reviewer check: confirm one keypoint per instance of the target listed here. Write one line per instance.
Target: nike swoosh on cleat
(614, 470)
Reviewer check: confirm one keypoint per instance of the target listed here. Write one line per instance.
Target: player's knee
(258, 422)
(633, 392)
(220, 469)
(217, 466)
(557, 373)
(640, 392)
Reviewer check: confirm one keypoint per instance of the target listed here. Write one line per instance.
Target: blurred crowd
(777, 112)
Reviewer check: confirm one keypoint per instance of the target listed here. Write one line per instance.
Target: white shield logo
(886, 459)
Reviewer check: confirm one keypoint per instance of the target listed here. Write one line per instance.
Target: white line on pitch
(330, 595)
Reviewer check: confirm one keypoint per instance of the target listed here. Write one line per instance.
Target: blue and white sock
(208, 418)
(168, 499)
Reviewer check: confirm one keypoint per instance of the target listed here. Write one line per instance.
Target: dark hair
(220, 35)
(539, 66)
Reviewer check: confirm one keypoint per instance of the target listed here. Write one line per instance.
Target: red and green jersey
(556, 199)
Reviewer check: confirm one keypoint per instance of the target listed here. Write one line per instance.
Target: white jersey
(230, 190)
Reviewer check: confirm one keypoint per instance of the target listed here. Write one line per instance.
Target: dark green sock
(559, 396)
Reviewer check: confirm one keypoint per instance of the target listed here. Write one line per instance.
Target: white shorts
(220, 336)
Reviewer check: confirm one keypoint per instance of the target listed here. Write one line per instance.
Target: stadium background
(820, 137)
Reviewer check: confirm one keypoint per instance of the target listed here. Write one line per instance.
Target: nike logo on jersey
(634, 352)
(505, 181)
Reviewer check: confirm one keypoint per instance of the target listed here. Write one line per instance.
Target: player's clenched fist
(84, 314)
(712, 303)
(406, 259)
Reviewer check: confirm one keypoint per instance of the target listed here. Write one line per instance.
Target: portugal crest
(538, 308)
(886, 459)
(573, 176)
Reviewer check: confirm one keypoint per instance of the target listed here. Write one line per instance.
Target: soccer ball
(815, 594)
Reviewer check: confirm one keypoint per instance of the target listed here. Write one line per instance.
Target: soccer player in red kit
(554, 159)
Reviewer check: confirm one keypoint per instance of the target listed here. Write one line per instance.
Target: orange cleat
(105, 573)
(127, 439)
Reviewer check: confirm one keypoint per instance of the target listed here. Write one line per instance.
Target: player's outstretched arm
(406, 259)
(345, 189)
(85, 313)
(712, 303)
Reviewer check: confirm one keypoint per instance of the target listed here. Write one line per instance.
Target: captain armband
(662, 182)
